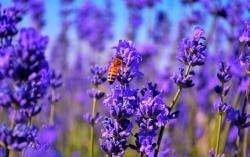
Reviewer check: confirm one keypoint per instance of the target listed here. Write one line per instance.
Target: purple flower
(47, 135)
(44, 145)
(33, 111)
(131, 60)
(192, 51)
(212, 154)
(222, 107)
(123, 102)
(19, 137)
(90, 119)
(9, 18)
(27, 66)
(239, 119)
(224, 74)
(94, 93)
(55, 79)
(151, 114)
(245, 61)
(182, 80)
(245, 37)
(114, 136)
(98, 73)
(147, 145)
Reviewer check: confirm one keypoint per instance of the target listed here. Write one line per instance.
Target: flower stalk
(92, 129)
(13, 121)
(52, 112)
(173, 103)
(245, 140)
(218, 134)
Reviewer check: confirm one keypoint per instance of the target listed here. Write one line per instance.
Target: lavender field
(124, 78)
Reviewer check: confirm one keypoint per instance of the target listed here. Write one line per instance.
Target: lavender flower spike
(192, 51)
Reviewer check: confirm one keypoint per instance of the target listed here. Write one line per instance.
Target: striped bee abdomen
(112, 74)
(114, 69)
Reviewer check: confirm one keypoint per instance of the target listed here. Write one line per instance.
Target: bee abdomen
(111, 78)
(112, 74)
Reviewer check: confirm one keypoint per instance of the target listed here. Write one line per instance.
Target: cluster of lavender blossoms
(95, 93)
(125, 105)
(140, 101)
(192, 53)
(24, 80)
(121, 103)
(151, 114)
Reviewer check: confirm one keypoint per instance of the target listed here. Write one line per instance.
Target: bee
(114, 69)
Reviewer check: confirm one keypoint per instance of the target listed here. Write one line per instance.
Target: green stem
(52, 112)
(172, 104)
(218, 134)
(52, 109)
(91, 142)
(227, 126)
(12, 125)
(176, 97)
(29, 121)
(13, 121)
(192, 147)
(237, 144)
(245, 140)
(107, 155)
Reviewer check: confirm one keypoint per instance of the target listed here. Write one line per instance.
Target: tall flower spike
(151, 114)
(224, 75)
(27, 66)
(97, 79)
(131, 60)
(55, 83)
(192, 51)
(122, 103)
